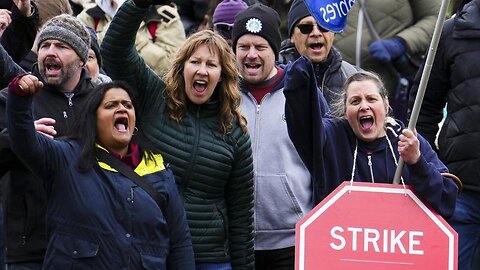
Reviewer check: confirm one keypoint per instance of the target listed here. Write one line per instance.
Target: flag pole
(424, 80)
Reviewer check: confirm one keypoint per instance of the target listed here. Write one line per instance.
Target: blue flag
(330, 14)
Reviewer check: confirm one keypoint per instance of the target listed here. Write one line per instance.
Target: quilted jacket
(214, 172)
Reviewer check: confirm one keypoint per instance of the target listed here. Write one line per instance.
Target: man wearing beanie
(63, 45)
(283, 188)
(224, 16)
(309, 39)
(94, 63)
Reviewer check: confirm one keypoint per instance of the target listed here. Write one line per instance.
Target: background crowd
(230, 118)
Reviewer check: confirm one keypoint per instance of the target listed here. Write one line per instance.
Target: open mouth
(200, 85)
(252, 66)
(366, 122)
(316, 46)
(121, 124)
(51, 66)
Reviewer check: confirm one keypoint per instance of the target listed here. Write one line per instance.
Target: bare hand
(30, 84)
(25, 7)
(45, 126)
(5, 19)
(409, 146)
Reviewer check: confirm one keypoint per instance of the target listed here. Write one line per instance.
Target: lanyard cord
(355, 154)
(394, 158)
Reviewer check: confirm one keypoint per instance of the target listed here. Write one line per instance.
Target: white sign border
(348, 188)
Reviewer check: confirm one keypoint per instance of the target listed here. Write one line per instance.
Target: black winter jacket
(25, 196)
(454, 81)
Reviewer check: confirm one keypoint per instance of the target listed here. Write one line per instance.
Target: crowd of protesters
(195, 134)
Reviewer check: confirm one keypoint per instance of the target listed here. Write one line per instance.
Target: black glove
(147, 3)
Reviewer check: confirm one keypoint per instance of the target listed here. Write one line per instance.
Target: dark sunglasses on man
(223, 29)
(307, 28)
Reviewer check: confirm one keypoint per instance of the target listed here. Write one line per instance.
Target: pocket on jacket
(276, 206)
(150, 262)
(70, 250)
(225, 237)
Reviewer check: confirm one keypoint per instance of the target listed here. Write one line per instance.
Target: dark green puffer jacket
(214, 172)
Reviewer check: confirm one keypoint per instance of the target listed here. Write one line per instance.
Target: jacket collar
(145, 167)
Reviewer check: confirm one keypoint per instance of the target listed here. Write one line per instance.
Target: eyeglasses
(307, 28)
(223, 29)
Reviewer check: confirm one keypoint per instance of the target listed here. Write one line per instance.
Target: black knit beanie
(94, 45)
(258, 19)
(298, 10)
(68, 29)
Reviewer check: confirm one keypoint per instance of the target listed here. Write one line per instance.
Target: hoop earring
(135, 131)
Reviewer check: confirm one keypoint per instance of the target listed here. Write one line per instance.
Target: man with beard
(315, 42)
(63, 45)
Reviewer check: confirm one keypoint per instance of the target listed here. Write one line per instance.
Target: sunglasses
(223, 29)
(307, 28)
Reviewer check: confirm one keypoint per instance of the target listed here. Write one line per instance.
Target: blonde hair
(227, 88)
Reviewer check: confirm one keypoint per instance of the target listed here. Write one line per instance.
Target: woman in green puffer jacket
(193, 118)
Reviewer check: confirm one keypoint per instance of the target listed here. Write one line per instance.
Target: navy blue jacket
(25, 200)
(327, 145)
(100, 219)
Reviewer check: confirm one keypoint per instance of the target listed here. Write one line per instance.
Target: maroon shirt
(261, 89)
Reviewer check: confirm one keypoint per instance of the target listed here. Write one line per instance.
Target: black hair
(84, 130)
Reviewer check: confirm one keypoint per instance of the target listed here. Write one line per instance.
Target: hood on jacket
(467, 21)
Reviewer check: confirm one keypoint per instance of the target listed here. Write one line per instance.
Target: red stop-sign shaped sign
(374, 227)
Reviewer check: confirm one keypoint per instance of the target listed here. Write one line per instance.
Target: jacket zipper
(193, 155)
(69, 97)
(369, 157)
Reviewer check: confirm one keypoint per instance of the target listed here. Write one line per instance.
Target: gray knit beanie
(68, 29)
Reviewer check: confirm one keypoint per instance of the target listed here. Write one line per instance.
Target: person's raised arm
(304, 110)
(121, 58)
(305, 106)
(8, 69)
(36, 151)
(25, 20)
(419, 35)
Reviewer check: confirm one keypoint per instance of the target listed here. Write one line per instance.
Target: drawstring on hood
(394, 128)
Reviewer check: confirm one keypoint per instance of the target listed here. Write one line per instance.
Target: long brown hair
(227, 88)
